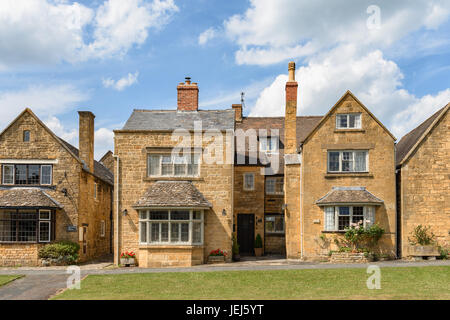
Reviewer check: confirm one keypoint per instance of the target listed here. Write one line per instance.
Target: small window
(26, 136)
(348, 121)
(102, 228)
(274, 185)
(249, 181)
(348, 161)
(274, 223)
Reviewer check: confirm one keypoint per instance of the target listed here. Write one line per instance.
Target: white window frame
(269, 141)
(173, 163)
(171, 222)
(102, 228)
(45, 221)
(244, 185)
(338, 125)
(366, 218)
(51, 175)
(341, 152)
(13, 174)
(29, 136)
(275, 180)
(275, 216)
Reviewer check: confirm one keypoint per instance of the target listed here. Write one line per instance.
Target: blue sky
(60, 56)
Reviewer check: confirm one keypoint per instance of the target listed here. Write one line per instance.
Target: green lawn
(396, 283)
(7, 279)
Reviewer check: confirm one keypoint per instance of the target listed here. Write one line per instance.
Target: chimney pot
(291, 69)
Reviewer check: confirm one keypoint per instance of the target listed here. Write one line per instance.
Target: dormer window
(348, 121)
(268, 144)
(26, 136)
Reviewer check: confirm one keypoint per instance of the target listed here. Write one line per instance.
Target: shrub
(235, 245)
(422, 235)
(258, 241)
(63, 251)
(443, 253)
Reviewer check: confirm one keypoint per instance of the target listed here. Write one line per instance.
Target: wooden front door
(246, 233)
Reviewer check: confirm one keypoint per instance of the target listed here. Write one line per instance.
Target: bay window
(26, 226)
(175, 226)
(340, 218)
(348, 161)
(169, 165)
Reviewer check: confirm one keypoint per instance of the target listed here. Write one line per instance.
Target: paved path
(41, 283)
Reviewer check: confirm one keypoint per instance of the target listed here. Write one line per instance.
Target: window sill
(349, 130)
(147, 179)
(275, 234)
(338, 232)
(168, 246)
(349, 174)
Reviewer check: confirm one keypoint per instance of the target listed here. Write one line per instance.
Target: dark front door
(246, 233)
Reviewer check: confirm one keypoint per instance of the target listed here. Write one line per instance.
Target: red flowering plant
(218, 253)
(128, 255)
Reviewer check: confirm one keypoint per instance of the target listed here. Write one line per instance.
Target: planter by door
(258, 252)
(216, 259)
(127, 262)
(424, 251)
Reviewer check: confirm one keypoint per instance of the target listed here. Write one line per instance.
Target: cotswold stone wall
(215, 183)
(67, 174)
(425, 187)
(316, 182)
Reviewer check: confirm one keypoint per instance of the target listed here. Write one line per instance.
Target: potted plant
(236, 255)
(258, 246)
(217, 256)
(423, 242)
(127, 259)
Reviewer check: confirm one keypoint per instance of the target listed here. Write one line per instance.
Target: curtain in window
(360, 161)
(370, 216)
(329, 219)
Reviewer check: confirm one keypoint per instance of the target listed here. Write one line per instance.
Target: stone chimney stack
(237, 112)
(290, 120)
(187, 96)
(86, 138)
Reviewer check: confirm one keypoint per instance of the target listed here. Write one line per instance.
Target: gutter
(301, 209)
(116, 225)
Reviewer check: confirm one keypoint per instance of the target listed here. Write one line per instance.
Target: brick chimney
(237, 112)
(187, 96)
(86, 138)
(290, 120)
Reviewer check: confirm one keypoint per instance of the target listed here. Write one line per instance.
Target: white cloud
(44, 101)
(51, 31)
(206, 36)
(275, 26)
(69, 135)
(122, 83)
(104, 141)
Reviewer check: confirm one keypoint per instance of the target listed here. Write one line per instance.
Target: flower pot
(258, 252)
(424, 251)
(216, 259)
(127, 262)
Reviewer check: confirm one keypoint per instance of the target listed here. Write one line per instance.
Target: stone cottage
(423, 180)
(51, 191)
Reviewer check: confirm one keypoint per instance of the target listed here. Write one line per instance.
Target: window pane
(197, 215)
(44, 231)
(159, 215)
(357, 121)
(370, 216)
(8, 174)
(279, 188)
(154, 165)
(179, 215)
(26, 226)
(26, 136)
(46, 175)
(197, 233)
(347, 161)
(270, 186)
(180, 169)
(351, 121)
(44, 215)
(270, 224)
(184, 232)
(333, 161)
(248, 181)
(360, 161)
(143, 215)
(164, 232)
(34, 174)
(174, 232)
(21, 174)
(263, 144)
(342, 121)
(358, 215)
(329, 219)
(155, 232)
(143, 231)
(279, 224)
(344, 218)
(166, 166)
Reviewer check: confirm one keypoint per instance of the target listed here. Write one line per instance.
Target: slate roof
(411, 138)
(27, 198)
(100, 171)
(166, 120)
(172, 194)
(349, 195)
